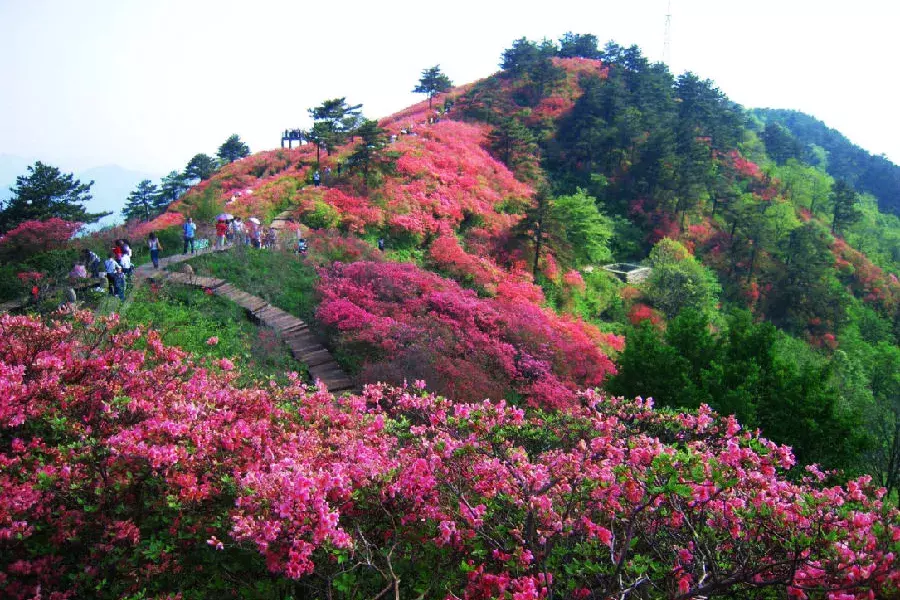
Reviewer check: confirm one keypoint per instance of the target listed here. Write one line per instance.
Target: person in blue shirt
(189, 229)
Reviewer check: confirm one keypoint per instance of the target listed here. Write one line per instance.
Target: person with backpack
(189, 230)
(155, 246)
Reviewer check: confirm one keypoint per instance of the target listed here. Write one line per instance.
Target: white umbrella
(254, 220)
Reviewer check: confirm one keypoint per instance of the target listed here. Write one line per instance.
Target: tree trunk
(752, 262)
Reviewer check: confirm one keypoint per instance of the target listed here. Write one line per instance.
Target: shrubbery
(129, 470)
(411, 324)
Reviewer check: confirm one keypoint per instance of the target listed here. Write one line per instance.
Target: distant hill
(112, 183)
(11, 166)
(867, 173)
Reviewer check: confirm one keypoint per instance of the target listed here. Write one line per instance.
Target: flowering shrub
(641, 312)
(867, 280)
(163, 221)
(411, 324)
(129, 470)
(32, 237)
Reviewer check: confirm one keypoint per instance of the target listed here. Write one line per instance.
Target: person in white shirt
(110, 265)
(126, 263)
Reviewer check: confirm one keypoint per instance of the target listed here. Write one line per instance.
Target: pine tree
(334, 121)
(171, 187)
(369, 153)
(44, 193)
(845, 206)
(233, 149)
(432, 82)
(201, 166)
(142, 202)
(513, 143)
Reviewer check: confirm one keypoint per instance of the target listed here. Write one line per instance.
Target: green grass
(187, 317)
(279, 278)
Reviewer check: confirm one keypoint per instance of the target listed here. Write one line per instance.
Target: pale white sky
(147, 84)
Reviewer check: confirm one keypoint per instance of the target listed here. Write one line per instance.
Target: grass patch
(187, 317)
(277, 277)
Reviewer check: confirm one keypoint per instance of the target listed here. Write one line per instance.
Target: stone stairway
(295, 333)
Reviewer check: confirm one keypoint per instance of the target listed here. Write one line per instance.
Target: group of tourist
(244, 233)
(118, 266)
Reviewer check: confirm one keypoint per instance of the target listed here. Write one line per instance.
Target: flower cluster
(129, 469)
(32, 237)
(412, 324)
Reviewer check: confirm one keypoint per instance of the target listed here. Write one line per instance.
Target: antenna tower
(667, 36)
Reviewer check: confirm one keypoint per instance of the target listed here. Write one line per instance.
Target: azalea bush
(32, 237)
(130, 469)
(411, 324)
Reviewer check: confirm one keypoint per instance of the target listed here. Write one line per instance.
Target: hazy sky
(147, 84)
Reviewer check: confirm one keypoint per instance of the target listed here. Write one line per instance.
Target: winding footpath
(295, 333)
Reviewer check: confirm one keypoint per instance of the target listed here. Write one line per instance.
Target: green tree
(513, 143)
(201, 166)
(885, 420)
(333, 122)
(780, 144)
(141, 204)
(534, 64)
(233, 149)
(46, 192)
(369, 155)
(678, 281)
(586, 232)
(802, 289)
(570, 226)
(171, 187)
(845, 210)
(573, 45)
(650, 368)
(432, 82)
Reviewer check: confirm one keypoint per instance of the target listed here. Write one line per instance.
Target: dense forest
(793, 134)
(728, 425)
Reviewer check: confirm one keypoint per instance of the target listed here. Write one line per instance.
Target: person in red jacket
(221, 230)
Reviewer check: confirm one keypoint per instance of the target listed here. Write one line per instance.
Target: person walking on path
(221, 230)
(110, 266)
(237, 231)
(155, 247)
(119, 283)
(255, 234)
(229, 232)
(316, 178)
(381, 244)
(189, 230)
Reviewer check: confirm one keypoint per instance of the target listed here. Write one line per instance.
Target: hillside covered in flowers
(526, 425)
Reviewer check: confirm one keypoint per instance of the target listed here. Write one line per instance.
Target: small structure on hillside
(292, 135)
(628, 272)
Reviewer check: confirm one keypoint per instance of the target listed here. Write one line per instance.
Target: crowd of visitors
(118, 266)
